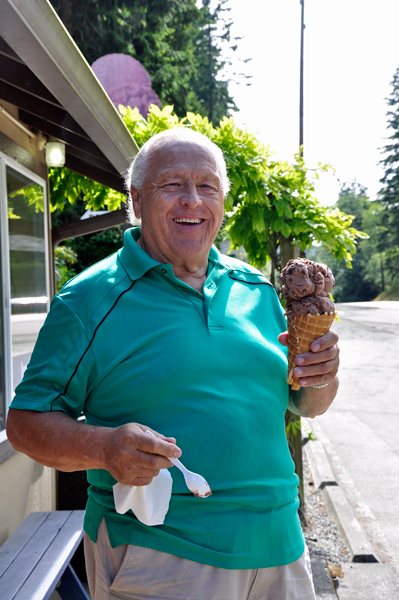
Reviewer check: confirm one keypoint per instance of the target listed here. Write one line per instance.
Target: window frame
(5, 308)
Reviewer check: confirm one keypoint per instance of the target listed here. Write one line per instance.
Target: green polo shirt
(127, 341)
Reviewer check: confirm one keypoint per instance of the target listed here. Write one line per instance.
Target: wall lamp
(55, 154)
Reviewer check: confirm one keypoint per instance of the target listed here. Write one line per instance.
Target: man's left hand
(320, 365)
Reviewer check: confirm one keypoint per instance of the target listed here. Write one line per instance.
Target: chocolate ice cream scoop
(306, 287)
(308, 308)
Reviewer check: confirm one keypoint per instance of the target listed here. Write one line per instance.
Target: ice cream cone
(302, 331)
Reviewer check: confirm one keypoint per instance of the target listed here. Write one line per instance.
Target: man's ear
(136, 200)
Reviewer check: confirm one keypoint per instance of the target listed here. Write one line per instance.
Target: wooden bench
(35, 559)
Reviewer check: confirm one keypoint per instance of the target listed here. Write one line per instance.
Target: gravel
(321, 534)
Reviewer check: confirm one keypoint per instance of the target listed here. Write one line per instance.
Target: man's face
(181, 204)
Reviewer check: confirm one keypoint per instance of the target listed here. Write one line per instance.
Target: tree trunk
(273, 257)
(294, 438)
(382, 274)
(289, 250)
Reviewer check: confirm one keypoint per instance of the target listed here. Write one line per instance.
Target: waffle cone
(302, 331)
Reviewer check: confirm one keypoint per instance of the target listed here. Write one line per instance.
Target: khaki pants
(136, 573)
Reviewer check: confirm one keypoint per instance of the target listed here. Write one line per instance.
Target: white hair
(137, 172)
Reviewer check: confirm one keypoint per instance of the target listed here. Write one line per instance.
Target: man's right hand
(134, 457)
(56, 440)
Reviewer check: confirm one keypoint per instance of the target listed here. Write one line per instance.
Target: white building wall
(25, 486)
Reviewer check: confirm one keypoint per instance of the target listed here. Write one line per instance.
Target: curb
(349, 527)
(320, 467)
(323, 584)
(336, 503)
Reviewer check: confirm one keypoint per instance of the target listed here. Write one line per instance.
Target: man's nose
(191, 196)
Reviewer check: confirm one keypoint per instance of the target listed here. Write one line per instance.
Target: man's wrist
(321, 386)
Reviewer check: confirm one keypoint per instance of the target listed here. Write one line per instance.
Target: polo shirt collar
(214, 255)
(133, 258)
(219, 259)
(136, 262)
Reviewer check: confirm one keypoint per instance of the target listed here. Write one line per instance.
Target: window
(2, 360)
(24, 262)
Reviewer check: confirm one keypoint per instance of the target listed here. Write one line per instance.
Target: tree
(375, 258)
(170, 38)
(269, 201)
(389, 193)
(166, 37)
(64, 261)
(159, 33)
(213, 46)
(362, 282)
(68, 187)
(365, 279)
(283, 213)
(81, 252)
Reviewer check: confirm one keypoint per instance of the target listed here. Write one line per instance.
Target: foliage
(296, 426)
(11, 214)
(268, 200)
(90, 248)
(389, 193)
(94, 247)
(158, 33)
(32, 196)
(367, 277)
(168, 37)
(286, 207)
(64, 258)
(68, 186)
(213, 46)
(157, 121)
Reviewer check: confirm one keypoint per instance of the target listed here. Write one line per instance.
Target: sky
(351, 53)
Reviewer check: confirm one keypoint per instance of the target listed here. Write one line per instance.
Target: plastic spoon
(195, 483)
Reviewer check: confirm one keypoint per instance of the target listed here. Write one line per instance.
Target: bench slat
(43, 579)
(18, 540)
(31, 554)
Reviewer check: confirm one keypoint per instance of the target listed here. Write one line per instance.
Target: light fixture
(55, 154)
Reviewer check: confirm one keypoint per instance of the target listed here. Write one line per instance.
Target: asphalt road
(362, 426)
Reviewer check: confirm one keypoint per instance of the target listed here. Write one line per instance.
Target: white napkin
(150, 503)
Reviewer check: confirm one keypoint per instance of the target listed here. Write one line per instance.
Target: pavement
(366, 577)
(355, 458)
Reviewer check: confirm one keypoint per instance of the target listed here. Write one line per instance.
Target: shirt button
(185, 289)
(164, 270)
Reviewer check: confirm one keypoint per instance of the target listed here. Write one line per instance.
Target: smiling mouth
(188, 221)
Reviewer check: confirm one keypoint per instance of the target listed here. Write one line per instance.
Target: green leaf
(285, 229)
(288, 211)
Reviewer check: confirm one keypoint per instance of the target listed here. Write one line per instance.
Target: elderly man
(170, 335)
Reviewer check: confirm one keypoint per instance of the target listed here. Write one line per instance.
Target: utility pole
(289, 250)
(302, 2)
